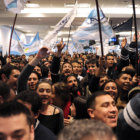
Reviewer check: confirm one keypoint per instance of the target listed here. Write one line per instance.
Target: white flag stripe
(47, 39)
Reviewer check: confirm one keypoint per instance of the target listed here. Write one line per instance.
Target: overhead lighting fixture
(30, 34)
(124, 33)
(80, 5)
(32, 5)
(18, 27)
(81, 12)
(137, 6)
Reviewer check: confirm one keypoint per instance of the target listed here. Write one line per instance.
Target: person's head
(87, 130)
(31, 100)
(38, 69)
(4, 92)
(109, 59)
(71, 81)
(9, 72)
(111, 87)
(133, 92)
(44, 89)
(76, 67)
(22, 64)
(91, 66)
(124, 81)
(23, 57)
(80, 60)
(79, 108)
(47, 64)
(33, 80)
(15, 122)
(103, 79)
(102, 106)
(128, 127)
(60, 94)
(66, 68)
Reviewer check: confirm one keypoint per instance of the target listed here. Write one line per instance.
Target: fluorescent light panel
(32, 5)
(80, 5)
(81, 12)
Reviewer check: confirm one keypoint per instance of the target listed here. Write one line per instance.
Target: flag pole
(135, 23)
(12, 33)
(70, 31)
(69, 36)
(100, 30)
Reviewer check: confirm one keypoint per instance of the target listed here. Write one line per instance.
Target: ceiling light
(130, 6)
(80, 5)
(32, 5)
(84, 5)
(30, 34)
(18, 27)
(81, 12)
(124, 33)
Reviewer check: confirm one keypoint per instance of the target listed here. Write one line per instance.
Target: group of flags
(89, 30)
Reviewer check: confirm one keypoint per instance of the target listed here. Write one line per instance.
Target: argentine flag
(89, 30)
(33, 47)
(16, 47)
(15, 6)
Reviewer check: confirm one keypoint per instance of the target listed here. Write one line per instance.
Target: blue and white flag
(66, 20)
(16, 47)
(15, 6)
(33, 47)
(89, 30)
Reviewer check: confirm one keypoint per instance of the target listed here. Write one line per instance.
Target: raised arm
(23, 78)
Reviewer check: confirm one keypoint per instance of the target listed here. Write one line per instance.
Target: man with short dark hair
(9, 74)
(15, 122)
(101, 106)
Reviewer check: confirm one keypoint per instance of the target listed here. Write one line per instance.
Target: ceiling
(45, 22)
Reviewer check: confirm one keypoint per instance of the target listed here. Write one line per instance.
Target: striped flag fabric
(89, 30)
(15, 6)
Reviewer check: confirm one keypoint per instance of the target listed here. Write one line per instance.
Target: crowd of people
(53, 96)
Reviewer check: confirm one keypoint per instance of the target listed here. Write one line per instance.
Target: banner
(15, 6)
(33, 47)
(89, 30)
(66, 20)
(16, 47)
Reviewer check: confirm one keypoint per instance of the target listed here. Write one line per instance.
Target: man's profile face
(105, 110)
(16, 127)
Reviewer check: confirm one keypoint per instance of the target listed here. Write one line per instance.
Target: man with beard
(73, 85)
(66, 68)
